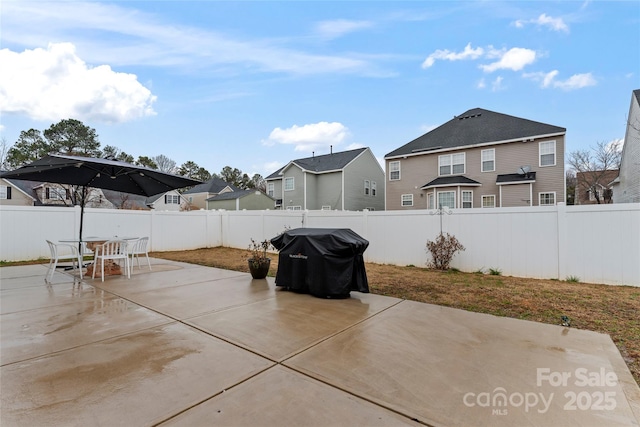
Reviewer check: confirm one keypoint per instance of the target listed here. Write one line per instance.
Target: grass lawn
(613, 310)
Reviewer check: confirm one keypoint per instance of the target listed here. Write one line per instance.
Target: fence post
(561, 211)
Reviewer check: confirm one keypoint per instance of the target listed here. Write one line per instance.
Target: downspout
(342, 185)
(531, 194)
(304, 189)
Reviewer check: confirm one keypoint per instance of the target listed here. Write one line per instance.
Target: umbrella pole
(83, 196)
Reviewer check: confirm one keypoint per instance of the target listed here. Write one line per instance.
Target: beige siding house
(198, 195)
(348, 180)
(479, 159)
(626, 188)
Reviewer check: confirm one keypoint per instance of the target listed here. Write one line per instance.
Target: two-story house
(348, 180)
(626, 187)
(479, 159)
(198, 195)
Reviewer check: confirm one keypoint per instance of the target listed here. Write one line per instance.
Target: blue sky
(253, 85)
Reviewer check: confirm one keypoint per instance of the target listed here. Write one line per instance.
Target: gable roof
(26, 187)
(637, 95)
(214, 185)
(473, 127)
(323, 163)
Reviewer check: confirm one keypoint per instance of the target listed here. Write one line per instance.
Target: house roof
(448, 181)
(323, 163)
(516, 178)
(214, 185)
(27, 187)
(232, 195)
(637, 95)
(473, 127)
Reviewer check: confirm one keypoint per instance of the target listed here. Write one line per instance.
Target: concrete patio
(186, 345)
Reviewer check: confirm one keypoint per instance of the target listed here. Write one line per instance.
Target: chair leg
(53, 261)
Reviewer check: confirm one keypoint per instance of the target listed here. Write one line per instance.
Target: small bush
(495, 272)
(442, 251)
(573, 279)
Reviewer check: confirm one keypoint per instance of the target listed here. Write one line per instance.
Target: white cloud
(548, 80)
(271, 167)
(481, 84)
(309, 137)
(145, 39)
(340, 27)
(54, 84)
(467, 53)
(544, 20)
(496, 85)
(513, 59)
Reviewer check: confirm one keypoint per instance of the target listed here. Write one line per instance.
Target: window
(467, 199)
(171, 199)
(56, 193)
(430, 204)
(5, 192)
(294, 208)
(367, 187)
(447, 199)
(326, 207)
(270, 189)
(546, 199)
(488, 160)
(407, 200)
(394, 171)
(451, 164)
(288, 184)
(547, 153)
(373, 188)
(489, 201)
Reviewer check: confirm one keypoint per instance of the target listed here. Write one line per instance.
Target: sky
(256, 84)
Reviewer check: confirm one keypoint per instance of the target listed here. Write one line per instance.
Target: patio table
(111, 268)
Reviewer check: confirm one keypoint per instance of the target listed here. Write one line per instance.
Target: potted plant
(258, 260)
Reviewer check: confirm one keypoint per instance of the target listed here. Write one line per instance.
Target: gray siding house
(241, 200)
(626, 188)
(479, 159)
(348, 180)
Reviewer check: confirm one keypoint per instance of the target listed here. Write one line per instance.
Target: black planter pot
(259, 270)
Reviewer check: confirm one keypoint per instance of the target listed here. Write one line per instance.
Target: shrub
(442, 251)
(495, 272)
(573, 279)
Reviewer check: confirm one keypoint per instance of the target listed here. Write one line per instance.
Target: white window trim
(451, 164)
(462, 198)
(493, 159)
(326, 207)
(293, 183)
(3, 192)
(540, 154)
(443, 192)
(391, 169)
(294, 208)
(402, 199)
(374, 188)
(367, 187)
(271, 189)
(431, 201)
(486, 196)
(547, 204)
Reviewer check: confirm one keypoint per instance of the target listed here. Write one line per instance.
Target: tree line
(74, 138)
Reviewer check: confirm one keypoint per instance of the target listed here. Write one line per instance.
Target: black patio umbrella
(90, 172)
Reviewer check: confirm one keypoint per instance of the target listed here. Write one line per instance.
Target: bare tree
(594, 168)
(164, 164)
(3, 153)
(571, 180)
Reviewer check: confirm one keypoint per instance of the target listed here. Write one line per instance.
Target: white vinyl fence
(595, 243)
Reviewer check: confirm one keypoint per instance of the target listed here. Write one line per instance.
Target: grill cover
(325, 262)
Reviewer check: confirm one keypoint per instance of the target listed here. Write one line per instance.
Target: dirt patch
(613, 310)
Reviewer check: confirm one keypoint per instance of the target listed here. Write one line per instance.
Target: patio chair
(112, 250)
(139, 247)
(62, 252)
